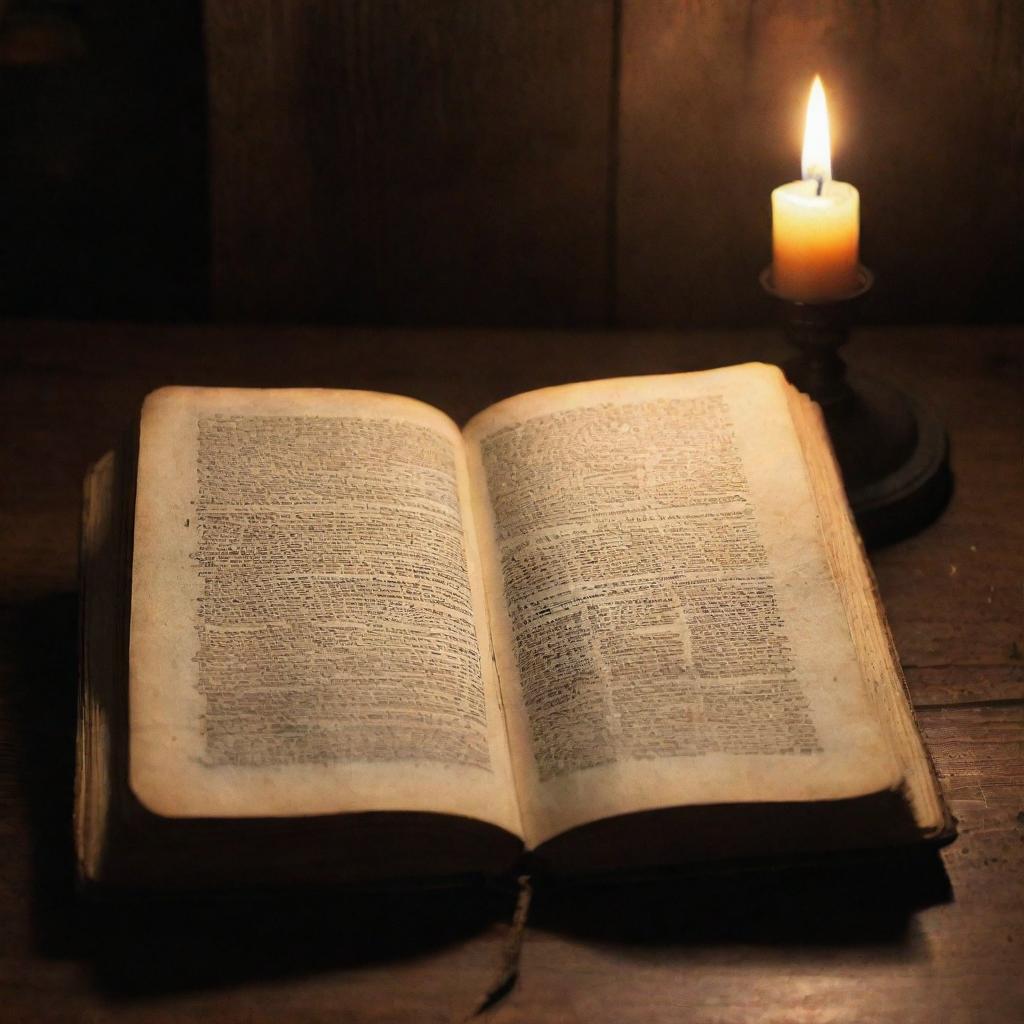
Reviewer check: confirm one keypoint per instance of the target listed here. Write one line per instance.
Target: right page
(879, 661)
(666, 625)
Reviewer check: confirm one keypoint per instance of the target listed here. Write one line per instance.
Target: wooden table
(916, 944)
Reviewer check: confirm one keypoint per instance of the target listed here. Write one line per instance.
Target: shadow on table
(149, 947)
(140, 947)
(39, 640)
(841, 902)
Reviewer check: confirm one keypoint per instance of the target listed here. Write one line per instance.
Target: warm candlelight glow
(816, 221)
(816, 161)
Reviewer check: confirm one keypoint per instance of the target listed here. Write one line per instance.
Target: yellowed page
(880, 664)
(308, 626)
(666, 626)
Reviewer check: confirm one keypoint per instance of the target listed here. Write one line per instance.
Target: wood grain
(409, 161)
(925, 102)
(913, 943)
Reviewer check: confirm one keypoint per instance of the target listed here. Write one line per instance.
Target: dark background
(498, 162)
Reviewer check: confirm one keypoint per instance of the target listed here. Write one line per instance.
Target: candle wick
(820, 179)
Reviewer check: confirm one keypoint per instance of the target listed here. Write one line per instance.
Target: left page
(308, 625)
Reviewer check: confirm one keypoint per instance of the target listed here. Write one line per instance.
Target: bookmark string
(508, 972)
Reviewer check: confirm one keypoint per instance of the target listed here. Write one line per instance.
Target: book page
(308, 628)
(880, 663)
(666, 626)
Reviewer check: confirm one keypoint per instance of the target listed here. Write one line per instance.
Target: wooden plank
(979, 755)
(925, 101)
(955, 592)
(935, 687)
(410, 162)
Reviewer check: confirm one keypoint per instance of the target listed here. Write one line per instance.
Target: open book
(620, 624)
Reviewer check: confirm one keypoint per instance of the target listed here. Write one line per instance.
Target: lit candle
(815, 222)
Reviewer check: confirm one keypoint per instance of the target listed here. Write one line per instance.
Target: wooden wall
(410, 161)
(603, 161)
(499, 162)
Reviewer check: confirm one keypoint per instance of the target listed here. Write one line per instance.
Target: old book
(328, 636)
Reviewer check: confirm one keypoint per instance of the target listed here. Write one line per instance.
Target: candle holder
(891, 448)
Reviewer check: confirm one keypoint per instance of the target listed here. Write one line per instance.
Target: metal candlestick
(891, 448)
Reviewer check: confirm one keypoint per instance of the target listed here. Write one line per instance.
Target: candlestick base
(892, 449)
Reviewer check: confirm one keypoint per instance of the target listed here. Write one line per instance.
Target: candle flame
(816, 162)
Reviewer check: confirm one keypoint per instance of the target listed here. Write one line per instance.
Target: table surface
(936, 940)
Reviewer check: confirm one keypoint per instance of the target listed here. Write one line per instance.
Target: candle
(815, 222)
